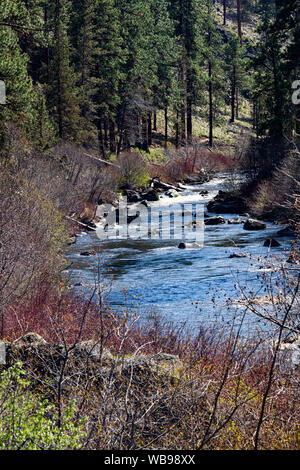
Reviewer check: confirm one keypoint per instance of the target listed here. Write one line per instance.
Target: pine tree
(287, 25)
(140, 72)
(84, 53)
(13, 66)
(188, 17)
(62, 92)
(270, 82)
(224, 12)
(42, 129)
(239, 20)
(163, 44)
(108, 72)
(235, 67)
(213, 58)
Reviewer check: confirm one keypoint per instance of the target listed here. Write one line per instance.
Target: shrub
(31, 238)
(133, 171)
(29, 422)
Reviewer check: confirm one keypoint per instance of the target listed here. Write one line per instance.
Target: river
(184, 286)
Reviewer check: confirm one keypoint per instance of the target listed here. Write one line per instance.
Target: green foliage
(275, 67)
(29, 422)
(133, 171)
(105, 67)
(155, 155)
(13, 66)
(236, 71)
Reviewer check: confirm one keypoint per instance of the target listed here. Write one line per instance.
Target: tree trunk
(166, 127)
(189, 122)
(224, 11)
(177, 130)
(210, 105)
(105, 134)
(145, 136)
(237, 107)
(100, 139)
(182, 125)
(155, 121)
(149, 129)
(112, 137)
(239, 20)
(233, 96)
(121, 129)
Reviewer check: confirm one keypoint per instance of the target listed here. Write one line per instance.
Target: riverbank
(179, 284)
(148, 384)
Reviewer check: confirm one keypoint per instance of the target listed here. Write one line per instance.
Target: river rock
(132, 196)
(130, 218)
(293, 348)
(172, 193)
(88, 359)
(197, 178)
(72, 240)
(150, 195)
(238, 255)
(29, 339)
(159, 185)
(236, 221)
(157, 364)
(227, 203)
(271, 243)
(214, 221)
(252, 224)
(185, 245)
(203, 193)
(286, 232)
(294, 258)
(88, 253)
(92, 350)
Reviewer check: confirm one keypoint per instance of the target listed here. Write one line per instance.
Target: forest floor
(229, 138)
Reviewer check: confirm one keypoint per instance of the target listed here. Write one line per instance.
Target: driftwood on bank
(80, 223)
(101, 160)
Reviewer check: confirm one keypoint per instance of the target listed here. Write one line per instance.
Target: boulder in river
(72, 240)
(185, 245)
(159, 185)
(214, 221)
(238, 255)
(252, 224)
(286, 232)
(132, 196)
(236, 221)
(150, 195)
(130, 218)
(271, 243)
(172, 193)
(294, 258)
(293, 349)
(88, 253)
(227, 203)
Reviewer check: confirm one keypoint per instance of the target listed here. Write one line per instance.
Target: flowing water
(187, 286)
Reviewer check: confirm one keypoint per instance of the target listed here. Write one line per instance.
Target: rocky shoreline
(225, 202)
(86, 216)
(45, 361)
